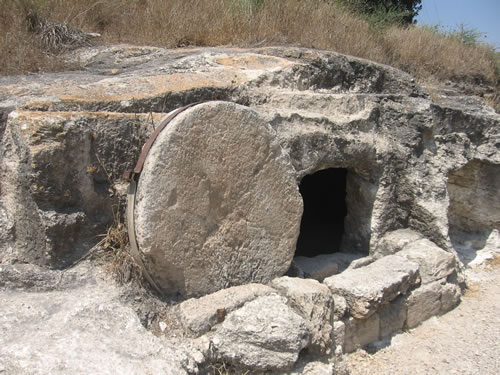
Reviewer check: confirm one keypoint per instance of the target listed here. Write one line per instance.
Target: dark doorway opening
(322, 225)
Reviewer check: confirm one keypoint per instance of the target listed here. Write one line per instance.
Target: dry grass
(21, 53)
(428, 54)
(173, 23)
(115, 251)
(222, 368)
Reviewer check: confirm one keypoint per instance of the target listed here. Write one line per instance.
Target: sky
(481, 15)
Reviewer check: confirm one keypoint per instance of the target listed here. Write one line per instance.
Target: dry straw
(176, 23)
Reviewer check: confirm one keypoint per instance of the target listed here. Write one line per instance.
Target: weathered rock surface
(217, 204)
(317, 267)
(340, 306)
(433, 289)
(314, 302)
(28, 277)
(265, 334)
(474, 207)
(423, 303)
(59, 173)
(395, 241)
(474, 197)
(365, 289)
(431, 299)
(312, 368)
(80, 327)
(450, 296)
(328, 111)
(339, 333)
(359, 333)
(324, 265)
(199, 315)
(417, 167)
(434, 263)
(393, 316)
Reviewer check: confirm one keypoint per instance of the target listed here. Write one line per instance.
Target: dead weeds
(223, 368)
(175, 23)
(114, 252)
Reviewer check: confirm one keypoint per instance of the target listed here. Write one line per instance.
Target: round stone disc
(217, 202)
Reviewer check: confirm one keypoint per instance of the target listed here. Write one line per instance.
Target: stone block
(314, 302)
(311, 368)
(434, 262)
(362, 262)
(450, 296)
(361, 332)
(395, 241)
(265, 334)
(199, 315)
(339, 306)
(339, 333)
(366, 288)
(423, 303)
(318, 267)
(393, 316)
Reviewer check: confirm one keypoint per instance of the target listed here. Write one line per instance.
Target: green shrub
(381, 18)
(382, 13)
(467, 35)
(462, 33)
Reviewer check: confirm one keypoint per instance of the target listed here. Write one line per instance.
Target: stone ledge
(434, 263)
(199, 315)
(366, 288)
(314, 302)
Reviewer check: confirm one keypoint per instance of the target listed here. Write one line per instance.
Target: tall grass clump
(430, 54)
(20, 52)
(382, 35)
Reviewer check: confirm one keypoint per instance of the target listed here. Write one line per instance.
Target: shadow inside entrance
(322, 224)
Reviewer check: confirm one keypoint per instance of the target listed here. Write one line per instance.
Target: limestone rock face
(359, 333)
(412, 161)
(265, 334)
(395, 241)
(474, 209)
(312, 368)
(217, 204)
(393, 316)
(59, 177)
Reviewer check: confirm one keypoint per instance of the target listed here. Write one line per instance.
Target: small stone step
(324, 265)
(366, 288)
(199, 315)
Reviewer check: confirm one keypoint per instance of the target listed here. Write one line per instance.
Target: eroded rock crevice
(474, 208)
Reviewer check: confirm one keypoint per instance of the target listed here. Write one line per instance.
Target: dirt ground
(466, 340)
